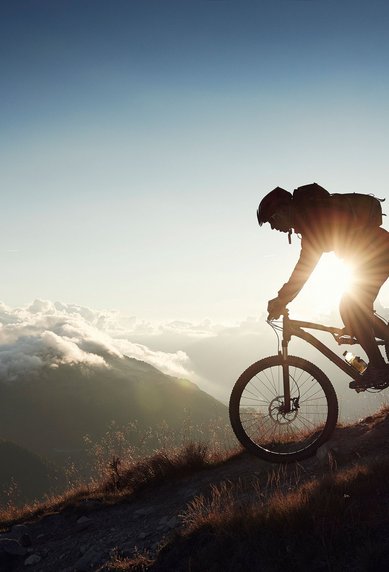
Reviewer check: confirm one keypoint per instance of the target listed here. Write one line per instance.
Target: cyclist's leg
(356, 310)
(380, 328)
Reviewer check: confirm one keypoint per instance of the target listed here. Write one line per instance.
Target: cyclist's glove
(275, 308)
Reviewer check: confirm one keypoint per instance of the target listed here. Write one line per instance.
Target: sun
(330, 279)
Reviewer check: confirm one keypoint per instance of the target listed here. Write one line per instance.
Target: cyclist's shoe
(373, 377)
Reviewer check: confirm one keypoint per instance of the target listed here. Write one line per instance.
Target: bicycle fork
(285, 376)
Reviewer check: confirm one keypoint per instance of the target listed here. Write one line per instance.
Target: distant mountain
(25, 476)
(53, 410)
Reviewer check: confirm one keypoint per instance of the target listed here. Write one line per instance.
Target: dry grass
(121, 479)
(157, 468)
(127, 459)
(138, 563)
(12, 514)
(337, 523)
(131, 443)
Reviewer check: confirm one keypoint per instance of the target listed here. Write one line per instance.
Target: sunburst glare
(330, 279)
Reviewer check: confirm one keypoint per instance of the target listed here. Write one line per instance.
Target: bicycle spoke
(274, 426)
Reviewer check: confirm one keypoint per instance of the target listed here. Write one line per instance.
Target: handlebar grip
(272, 317)
(276, 315)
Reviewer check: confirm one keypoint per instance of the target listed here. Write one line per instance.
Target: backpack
(359, 210)
(366, 210)
(309, 195)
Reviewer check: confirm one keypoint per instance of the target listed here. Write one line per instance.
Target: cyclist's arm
(309, 257)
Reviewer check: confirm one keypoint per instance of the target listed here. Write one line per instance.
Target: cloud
(50, 334)
(30, 353)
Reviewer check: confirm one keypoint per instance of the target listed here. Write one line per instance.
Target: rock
(166, 522)
(89, 504)
(53, 519)
(25, 540)
(21, 533)
(172, 522)
(32, 560)
(188, 492)
(91, 558)
(84, 522)
(144, 535)
(12, 547)
(83, 548)
(326, 453)
(18, 530)
(144, 511)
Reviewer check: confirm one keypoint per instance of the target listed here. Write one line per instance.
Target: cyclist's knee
(354, 309)
(347, 308)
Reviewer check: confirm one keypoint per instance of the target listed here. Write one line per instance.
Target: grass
(133, 443)
(335, 523)
(121, 480)
(127, 459)
(165, 464)
(338, 523)
(139, 563)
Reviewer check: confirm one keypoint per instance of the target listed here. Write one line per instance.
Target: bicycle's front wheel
(271, 429)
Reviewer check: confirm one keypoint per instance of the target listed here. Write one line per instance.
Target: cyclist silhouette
(366, 249)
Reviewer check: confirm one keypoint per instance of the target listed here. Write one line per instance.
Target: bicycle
(283, 408)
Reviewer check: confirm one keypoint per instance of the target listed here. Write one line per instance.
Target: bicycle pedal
(357, 386)
(360, 389)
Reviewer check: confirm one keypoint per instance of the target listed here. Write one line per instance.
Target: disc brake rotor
(277, 413)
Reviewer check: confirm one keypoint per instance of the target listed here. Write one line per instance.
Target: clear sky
(137, 138)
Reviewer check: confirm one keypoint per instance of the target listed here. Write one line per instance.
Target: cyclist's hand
(275, 308)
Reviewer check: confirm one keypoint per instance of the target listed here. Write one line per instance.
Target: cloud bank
(51, 334)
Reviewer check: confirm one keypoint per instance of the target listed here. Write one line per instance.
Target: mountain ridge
(51, 413)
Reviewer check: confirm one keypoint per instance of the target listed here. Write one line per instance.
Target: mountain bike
(283, 408)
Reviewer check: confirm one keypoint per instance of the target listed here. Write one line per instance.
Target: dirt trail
(86, 536)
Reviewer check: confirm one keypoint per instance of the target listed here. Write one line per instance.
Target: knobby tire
(256, 410)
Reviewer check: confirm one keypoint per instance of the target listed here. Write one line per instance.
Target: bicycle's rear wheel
(257, 415)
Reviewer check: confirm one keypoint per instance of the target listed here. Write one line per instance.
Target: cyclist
(367, 250)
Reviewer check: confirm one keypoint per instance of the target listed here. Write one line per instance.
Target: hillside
(26, 476)
(327, 513)
(52, 410)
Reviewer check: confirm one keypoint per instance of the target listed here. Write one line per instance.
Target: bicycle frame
(296, 328)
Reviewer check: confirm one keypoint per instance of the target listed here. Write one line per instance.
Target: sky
(137, 139)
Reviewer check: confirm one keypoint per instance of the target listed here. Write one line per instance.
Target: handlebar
(275, 316)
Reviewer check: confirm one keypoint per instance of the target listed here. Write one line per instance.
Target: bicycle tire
(256, 415)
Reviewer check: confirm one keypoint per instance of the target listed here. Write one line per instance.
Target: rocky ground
(88, 535)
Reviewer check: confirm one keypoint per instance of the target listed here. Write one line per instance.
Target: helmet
(271, 203)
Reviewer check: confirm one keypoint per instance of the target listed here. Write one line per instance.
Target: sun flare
(330, 279)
